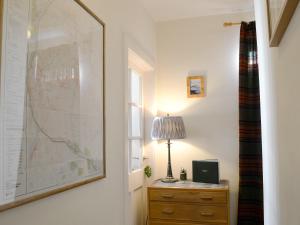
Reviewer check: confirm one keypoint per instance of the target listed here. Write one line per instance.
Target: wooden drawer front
(188, 196)
(188, 212)
(178, 223)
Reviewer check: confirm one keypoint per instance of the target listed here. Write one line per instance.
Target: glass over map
(52, 109)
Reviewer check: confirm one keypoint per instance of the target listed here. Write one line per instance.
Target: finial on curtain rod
(229, 24)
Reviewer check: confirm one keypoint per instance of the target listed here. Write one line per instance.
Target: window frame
(140, 106)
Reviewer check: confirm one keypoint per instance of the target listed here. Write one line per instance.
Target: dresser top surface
(190, 185)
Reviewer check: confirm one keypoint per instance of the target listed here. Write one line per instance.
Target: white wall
(101, 202)
(269, 116)
(201, 44)
(279, 73)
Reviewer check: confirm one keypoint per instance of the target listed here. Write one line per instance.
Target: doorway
(139, 98)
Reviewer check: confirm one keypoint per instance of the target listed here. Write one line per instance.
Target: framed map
(280, 13)
(52, 117)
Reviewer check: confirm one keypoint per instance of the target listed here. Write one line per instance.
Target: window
(135, 121)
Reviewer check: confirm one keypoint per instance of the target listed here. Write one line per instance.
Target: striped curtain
(250, 207)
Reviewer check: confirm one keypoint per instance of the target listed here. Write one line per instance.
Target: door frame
(128, 184)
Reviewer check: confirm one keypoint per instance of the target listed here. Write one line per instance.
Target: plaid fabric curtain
(250, 208)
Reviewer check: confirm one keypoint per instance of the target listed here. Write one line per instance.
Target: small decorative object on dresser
(183, 175)
(188, 203)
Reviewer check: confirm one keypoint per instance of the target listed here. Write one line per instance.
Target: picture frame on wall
(52, 99)
(195, 86)
(280, 13)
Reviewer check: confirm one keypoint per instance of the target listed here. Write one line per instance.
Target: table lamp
(168, 128)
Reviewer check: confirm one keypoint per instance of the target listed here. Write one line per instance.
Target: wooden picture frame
(280, 13)
(195, 86)
(90, 157)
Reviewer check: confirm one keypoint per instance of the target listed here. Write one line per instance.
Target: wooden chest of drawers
(188, 203)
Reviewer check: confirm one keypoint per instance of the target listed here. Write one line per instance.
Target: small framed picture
(195, 86)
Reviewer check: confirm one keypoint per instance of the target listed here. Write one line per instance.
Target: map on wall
(52, 99)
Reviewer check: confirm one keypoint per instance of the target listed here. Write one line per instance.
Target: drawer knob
(167, 196)
(168, 211)
(207, 213)
(206, 197)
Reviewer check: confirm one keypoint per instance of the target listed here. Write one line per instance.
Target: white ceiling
(163, 10)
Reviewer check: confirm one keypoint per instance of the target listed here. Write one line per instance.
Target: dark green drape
(250, 208)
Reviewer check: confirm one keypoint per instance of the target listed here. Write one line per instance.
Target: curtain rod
(229, 24)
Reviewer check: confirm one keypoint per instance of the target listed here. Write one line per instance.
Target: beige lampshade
(168, 128)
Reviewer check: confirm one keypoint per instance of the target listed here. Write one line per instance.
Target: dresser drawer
(169, 195)
(188, 212)
(158, 222)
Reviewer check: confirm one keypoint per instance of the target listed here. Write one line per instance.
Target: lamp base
(169, 180)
